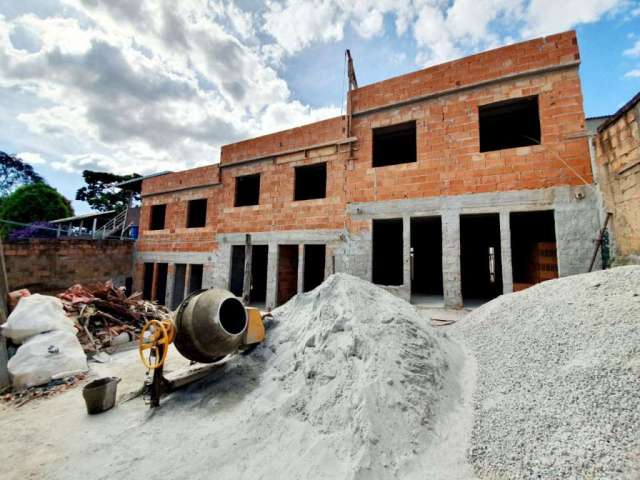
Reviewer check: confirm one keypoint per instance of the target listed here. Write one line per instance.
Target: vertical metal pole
(4, 290)
(248, 258)
(93, 229)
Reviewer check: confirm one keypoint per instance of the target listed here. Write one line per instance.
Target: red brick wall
(295, 138)
(449, 161)
(512, 59)
(50, 266)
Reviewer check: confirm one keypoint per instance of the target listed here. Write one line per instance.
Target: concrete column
(406, 255)
(300, 268)
(272, 276)
(187, 280)
(154, 283)
(248, 259)
(208, 272)
(171, 277)
(451, 272)
(505, 253)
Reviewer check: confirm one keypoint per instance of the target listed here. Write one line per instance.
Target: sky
(153, 85)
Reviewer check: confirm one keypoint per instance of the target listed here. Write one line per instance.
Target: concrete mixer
(208, 328)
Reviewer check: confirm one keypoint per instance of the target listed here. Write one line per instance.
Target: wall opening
(195, 278)
(314, 266)
(128, 286)
(197, 213)
(534, 255)
(259, 260)
(161, 283)
(394, 144)
(236, 279)
(426, 258)
(509, 124)
(387, 252)
(481, 265)
(247, 190)
(310, 182)
(158, 214)
(179, 284)
(287, 272)
(147, 281)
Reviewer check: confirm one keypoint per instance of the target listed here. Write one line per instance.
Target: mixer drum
(210, 325)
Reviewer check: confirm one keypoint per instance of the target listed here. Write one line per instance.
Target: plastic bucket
(100, 394)
(133, 232)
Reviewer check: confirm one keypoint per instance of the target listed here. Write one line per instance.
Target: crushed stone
(558, 379)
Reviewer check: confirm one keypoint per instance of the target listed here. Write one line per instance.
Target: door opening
(481, 266)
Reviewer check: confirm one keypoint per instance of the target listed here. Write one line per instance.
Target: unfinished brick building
(450, 184)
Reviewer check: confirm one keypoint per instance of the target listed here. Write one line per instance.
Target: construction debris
(54, 387)
(558, 379)
(106, 316)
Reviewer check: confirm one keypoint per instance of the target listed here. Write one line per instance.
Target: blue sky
(158, 85)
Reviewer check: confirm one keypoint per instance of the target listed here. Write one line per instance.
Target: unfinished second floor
(503, 120)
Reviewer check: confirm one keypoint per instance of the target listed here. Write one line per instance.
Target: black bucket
(100, 394)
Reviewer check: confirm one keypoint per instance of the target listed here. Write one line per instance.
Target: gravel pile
(558, 392)
(359, 366)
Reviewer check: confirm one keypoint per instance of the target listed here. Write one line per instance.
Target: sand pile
(558, 392)
(359, 366)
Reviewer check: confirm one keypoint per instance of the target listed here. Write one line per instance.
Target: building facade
(452, 184)
(617, 154)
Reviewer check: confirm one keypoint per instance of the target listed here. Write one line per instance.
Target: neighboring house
(617, 152)
(452, 184)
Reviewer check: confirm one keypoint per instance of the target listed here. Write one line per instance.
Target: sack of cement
(36, 314)
(46, 357)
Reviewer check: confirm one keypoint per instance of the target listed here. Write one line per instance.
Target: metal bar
(599, 240)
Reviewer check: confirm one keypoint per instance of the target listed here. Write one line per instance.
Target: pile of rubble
(105, 316)
(18, 398)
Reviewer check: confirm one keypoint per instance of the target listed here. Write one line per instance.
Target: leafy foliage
(100, 192)
(40, 229)
(32, 203)
(14, 172)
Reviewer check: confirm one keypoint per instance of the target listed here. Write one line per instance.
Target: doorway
(387, 264)
(481, 265)
(314, 266)
(534, 255)
(287, 272)
(426, 260)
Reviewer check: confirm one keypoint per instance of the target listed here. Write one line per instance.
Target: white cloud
(31, 158)
(633, 51)
(635, 73)
(551, 16)
(145, 86)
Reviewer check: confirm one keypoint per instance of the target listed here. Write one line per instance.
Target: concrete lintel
(174, 257)
(283, 237)
(468, 203)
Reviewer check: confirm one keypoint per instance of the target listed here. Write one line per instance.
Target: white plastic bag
(36, 314)
(47, 356)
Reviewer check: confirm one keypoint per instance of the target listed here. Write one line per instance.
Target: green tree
(100, 191)
(32, 203)
(14, 172)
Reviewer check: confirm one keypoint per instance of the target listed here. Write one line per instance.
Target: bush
(33, 203)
